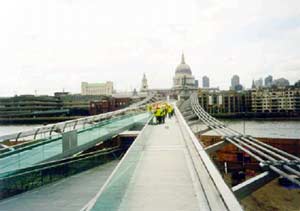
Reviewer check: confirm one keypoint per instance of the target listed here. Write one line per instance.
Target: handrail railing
(224, 191)
(72, 123)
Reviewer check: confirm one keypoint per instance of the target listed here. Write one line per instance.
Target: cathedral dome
(183, 68)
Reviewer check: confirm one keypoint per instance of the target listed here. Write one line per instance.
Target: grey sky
(54, 44)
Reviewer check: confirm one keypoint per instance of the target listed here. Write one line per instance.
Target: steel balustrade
(269, 157)
(77, 123)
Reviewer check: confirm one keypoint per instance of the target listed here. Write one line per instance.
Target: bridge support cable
(224, 192)
(274, 159)
(271, 163)
(249, 137)
(290, 156)
(285, 162)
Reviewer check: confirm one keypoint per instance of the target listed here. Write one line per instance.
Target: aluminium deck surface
(164, 177)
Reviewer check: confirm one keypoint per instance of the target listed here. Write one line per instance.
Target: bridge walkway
(158, 173)
(163, 179)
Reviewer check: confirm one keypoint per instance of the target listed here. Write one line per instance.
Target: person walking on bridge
(158, 114)
(164, 112)
(170, 111)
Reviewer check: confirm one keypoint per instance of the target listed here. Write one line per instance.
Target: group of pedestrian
(160, 112)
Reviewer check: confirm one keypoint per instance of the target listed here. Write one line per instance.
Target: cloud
(44, 43)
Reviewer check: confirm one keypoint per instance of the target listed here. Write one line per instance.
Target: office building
(235, 82)
(281, 82)
(205, 82)
(268, 81)
(97, 88)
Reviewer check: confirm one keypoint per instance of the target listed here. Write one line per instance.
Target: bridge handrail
(61, 126)
(226, 194)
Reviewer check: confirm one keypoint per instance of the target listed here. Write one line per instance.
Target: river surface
(267, 128)
(257, 128)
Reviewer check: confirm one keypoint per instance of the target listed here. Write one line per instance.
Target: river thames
(257, 128)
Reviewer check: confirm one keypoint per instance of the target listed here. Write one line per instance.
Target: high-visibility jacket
(170, 109)
(158, 112)
(149, 108)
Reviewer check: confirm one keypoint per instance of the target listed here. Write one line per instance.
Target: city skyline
(49, 46)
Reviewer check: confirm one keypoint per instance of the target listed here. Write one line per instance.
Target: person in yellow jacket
(170, 111)
(163, 114)
(158, 115)
(149, 108)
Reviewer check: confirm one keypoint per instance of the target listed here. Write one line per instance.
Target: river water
(267, 128)
(257, 128)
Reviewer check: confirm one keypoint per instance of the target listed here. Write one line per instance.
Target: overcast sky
(48, 45)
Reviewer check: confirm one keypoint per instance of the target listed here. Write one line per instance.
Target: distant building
(79, 104)
(268, 81)
(275, 100)
(281, 82)
(226, 102)
(253, 85)
(134, 93)
(107, 105)
(144, 86)
(196, 83)
(235, 81)
(258, 83)
(205, 82)
(238, 87)
(31, 106)
(297, 84)
(97, 88)
(61, 94)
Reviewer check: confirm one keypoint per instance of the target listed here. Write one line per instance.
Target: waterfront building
(268, 81)
(97, 88)
(77, 104)
(144, 87)
(276, 100)
(281, 82)
(226, 102)
(31, 106)
(205, 82)
(235, 82)
(109, 104)
(183, 76)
